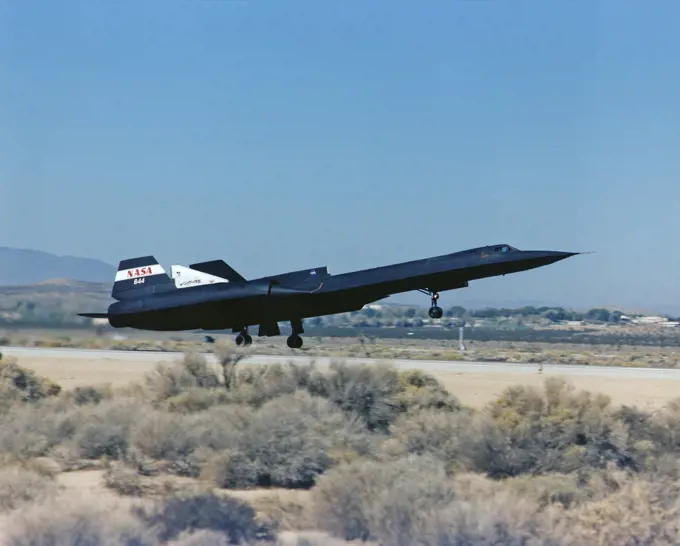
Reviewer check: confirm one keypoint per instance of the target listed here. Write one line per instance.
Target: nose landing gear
(435, 311)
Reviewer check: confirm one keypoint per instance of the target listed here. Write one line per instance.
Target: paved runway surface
(425, 365)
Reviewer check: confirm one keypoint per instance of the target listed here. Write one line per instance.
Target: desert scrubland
(189, 453)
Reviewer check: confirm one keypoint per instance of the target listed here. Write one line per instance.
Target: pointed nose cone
(553, 256)
(531, 259)
(563, 255)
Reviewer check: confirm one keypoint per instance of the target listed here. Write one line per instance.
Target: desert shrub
(34, 430)
(288, 442)
(141, 463)
(123, 480)
(43, 466)
(465, 441)
(197, 366)
(640, 424)
(252, 385)
(663, 428)
(212, 433)
(231, 468)
(453, 438)
(412, 502)
(228, 359)
(501, 519)
(168, 381)
(395, 505)
(368, 500)
(379, 393)
(287, 510)
(471, 486)
(363, 390)
(654, 438)
(548, 489)
(222, 427)
(166, 436)
(558, 430)
(256, 385)
(195, 399)
(649, 434)
(20, 485)
(640, 512)
(419, 390)
(315, 538)
(89, 395)
(376, 393)
(200, 538)
(206, 511)
(20, 384)
(82, 521)
(104, 430)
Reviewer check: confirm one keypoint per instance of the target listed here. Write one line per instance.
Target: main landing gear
(435, 311)
(244, 338)
(294, 341)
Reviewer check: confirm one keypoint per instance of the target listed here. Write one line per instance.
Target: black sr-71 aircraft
(218, 298)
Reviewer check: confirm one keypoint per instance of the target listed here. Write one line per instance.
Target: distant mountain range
(22, 266)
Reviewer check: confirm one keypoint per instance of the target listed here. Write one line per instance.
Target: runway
(155, 357)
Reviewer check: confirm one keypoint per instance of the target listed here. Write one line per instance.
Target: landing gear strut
(435, 311)
(244, 338)
(294, 341)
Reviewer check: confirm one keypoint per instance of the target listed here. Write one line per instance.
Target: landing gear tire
(243, 339)
(294, 341)
(436, 312)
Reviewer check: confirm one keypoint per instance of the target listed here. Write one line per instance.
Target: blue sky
(282, 135)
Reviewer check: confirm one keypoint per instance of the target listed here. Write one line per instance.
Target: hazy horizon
(282, 136)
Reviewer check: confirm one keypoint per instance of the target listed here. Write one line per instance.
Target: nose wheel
(244, 338)
(435, 311)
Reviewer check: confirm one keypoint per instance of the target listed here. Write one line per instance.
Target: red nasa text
(138, 272)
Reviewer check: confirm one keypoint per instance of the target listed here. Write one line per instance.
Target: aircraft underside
(264, 314)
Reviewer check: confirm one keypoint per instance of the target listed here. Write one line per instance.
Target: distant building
(649, 320)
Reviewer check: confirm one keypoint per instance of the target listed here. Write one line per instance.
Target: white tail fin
(185, 277)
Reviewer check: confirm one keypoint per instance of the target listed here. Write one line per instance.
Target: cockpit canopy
(492, 249)
(504, 248)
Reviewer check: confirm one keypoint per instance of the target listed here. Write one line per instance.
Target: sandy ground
(471, 387)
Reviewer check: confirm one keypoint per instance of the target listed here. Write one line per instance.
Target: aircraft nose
(556, 256)
(563, 255)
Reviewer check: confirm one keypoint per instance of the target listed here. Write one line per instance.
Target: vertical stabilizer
(219, 268)
(136, 276)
